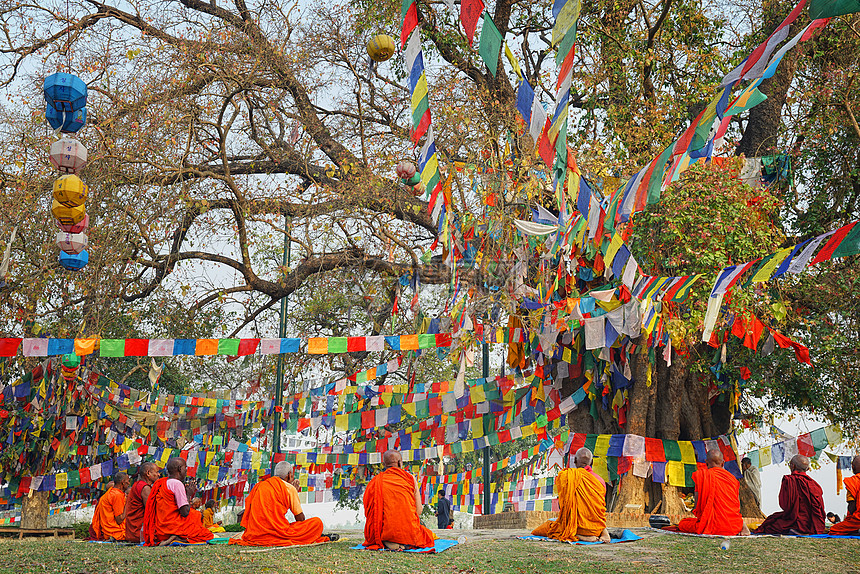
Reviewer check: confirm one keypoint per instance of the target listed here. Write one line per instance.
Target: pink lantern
(78, 227)
(68, 155)
(405, 169)
(72, 243)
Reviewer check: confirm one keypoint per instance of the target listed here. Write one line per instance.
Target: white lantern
(68, 155)
(72, 243)
(78, 227)
(405, 169)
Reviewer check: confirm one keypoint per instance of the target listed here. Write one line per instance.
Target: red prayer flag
(136, 347)
(827, 251)
(654, 450)
(410, 21)
(248, 346)
(356, 344)
(9, 347)
(470, 13)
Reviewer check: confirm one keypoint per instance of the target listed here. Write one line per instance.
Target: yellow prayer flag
(85, 346)
(206, 347)
(318, 345)
(477, 426)
(61, 481)
(764, 456)
(566, 18)
(675, 473)
(768, 268)
(601, 446)
(514, 64)
(612, 250)
(688, 453)
(341, 422)
(213, 473)
(598, 465)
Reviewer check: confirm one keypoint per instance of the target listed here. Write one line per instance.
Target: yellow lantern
(68, 215)
(70, 191)
(381, 48)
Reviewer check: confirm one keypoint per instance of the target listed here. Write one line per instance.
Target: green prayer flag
(112, 348)
(672, 450)
(830, 8)
(850, 244)
(590, 441)
(337, 344)
(427, 341)
(656, 181)
(490, 45)
(689, 469)
(228, 347)
(74, 478)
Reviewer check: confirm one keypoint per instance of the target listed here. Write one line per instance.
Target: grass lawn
(485, 551)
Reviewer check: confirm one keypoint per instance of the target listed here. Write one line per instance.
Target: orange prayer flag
(318, 345)
(206, 347)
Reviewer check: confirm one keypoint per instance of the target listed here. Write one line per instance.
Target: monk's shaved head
(120, 479)
(392, 458)
(582, 458)
(799, 462)
(715, 458)
(145, 467)
(175, 465)
(283, 469)
(855, 464)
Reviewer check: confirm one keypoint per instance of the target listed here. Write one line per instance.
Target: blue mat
(212, 541)
(626, 536)
(834, 536)
(440, 545)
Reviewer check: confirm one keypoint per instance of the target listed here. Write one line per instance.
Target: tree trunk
(34, 511)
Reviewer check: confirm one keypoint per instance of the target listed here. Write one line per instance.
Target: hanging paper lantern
(68, 155)
(68, 215)
(78, 227)
(66, 122)
(74, 262)
(381, 48)
(70, 191)
(65, 92)
(72, 243)
(405, 169)
(71, 361)
(414, 180)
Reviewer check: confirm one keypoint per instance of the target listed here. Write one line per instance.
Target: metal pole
(282, 332)
(486, 373)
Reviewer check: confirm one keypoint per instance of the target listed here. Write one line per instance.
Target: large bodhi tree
(216, 127)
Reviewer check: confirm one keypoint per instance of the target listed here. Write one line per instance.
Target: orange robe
(265, 519)
(134, 512)
(389, 510)
(718, 506)
(582, 506)
(851, 524)
(209, 521)
(111, 505)
(161, 520)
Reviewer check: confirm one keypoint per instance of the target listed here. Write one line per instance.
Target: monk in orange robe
(135, 501)
(209, 518)
(582, 504)
(266, 507)
(851, 524)
(168, 516)
(110, 513)
(718, 505)
(392, 507)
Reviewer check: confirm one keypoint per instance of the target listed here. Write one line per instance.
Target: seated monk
(582, 504)
(209, 518)
(718, 505)
(168, 516)
(801, 501)
(110, 513)
(392, 509)
(851, 523)
(265, 518)
(135, 502)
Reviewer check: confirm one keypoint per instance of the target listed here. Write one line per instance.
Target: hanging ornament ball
(381, 48)
(66, 122)
(72, 243)
(68, 155)
(70, 191)
(405, 169)
(71, 360)
(65, 92)
(74, 262)
(78, 227)
(68, 215)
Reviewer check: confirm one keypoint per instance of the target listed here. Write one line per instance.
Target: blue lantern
(74, 262)
(71, 122)
(65, 92)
